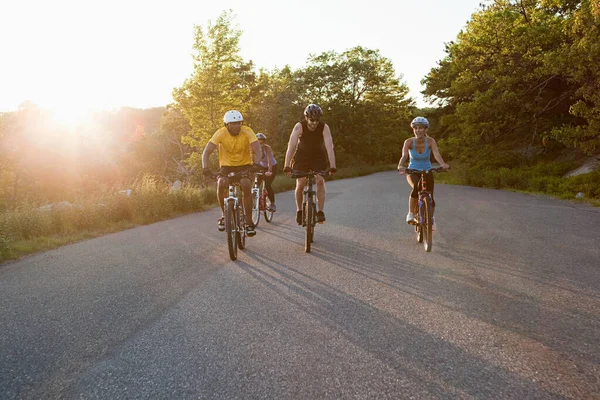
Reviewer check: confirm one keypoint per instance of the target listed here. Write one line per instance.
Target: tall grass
(28, 229)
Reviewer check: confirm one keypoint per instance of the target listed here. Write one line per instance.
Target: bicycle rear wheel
(255, 206)
(309, 214)
(427, 225)
(230, 228)
(314, 223)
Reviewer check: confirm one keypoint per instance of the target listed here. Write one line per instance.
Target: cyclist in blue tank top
(418, 150)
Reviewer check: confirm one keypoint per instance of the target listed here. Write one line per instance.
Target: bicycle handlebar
(417, 171)
(240, 174)
(299, 174)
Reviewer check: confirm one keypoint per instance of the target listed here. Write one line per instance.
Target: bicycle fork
(308, 193)
(255, 193)
(232, 196)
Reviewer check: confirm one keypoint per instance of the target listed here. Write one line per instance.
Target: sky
(85, 55)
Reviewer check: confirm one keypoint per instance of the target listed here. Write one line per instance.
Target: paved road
(506, 306)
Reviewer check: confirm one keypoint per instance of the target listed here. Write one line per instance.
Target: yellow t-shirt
(234, 150)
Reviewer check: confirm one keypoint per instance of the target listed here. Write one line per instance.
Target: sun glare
(75, 123)
(70, 117)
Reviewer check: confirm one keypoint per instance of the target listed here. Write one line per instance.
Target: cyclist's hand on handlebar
(288, 171)
(445, 166)
(206, 172)
(402, 170)
(332, 170)
(268, 173)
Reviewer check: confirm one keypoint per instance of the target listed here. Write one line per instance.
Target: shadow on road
(431, 361)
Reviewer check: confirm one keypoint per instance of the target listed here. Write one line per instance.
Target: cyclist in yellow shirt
(239, 150)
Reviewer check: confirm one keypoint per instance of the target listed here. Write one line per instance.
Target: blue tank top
(420, 161)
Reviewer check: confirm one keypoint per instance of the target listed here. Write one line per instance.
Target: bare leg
(413, 206)
(300, 182)
(320, 192)
(222, 187)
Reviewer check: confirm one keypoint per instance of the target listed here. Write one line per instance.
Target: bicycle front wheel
(230, 228)
(419, 231)
(309, 214)
(427, 224)
(241, 229)
(267, 204)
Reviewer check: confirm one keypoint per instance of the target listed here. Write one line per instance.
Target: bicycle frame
(424, 195)
(256, 187)
(309, 193)
(233, 193)
(262, 200)
(308, 188)
(234, 214)
(423, 191)
(425, 209)
(309, 209)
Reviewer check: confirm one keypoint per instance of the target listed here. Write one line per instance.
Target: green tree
(365, 102)
(221, 81)
(274, 106)
(494, 83)
(521, 71)
(579, 61)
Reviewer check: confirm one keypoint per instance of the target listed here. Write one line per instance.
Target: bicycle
(309, 207)
(424, 218)
(260, 200)
(235, 218)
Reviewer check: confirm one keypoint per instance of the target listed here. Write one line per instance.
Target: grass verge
(547, 179)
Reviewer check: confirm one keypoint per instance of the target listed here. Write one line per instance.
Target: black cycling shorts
(415, 182)
(305, 165)
(228, 169)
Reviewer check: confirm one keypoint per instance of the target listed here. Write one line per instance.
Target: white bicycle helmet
(261, 136)
(232, 116)
(420, 121)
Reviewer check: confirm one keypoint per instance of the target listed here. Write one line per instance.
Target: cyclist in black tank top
(310, 151)
(309, 148)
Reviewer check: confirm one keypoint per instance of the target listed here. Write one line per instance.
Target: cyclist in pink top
(269, 164)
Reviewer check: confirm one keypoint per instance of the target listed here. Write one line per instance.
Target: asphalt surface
(506, 306)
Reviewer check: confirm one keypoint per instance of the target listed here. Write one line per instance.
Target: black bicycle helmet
(313, 111)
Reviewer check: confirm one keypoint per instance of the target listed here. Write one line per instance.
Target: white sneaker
(433, 225)
(410, 218)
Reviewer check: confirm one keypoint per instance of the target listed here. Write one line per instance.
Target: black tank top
(311, 143)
